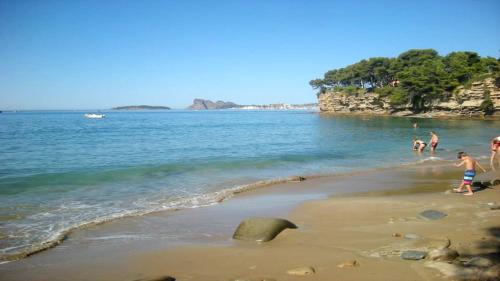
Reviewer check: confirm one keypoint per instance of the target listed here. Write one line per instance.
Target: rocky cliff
(464, 102)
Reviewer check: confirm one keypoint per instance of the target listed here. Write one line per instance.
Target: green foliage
(351, 90)
(487, 107)
(416, 76)
(398, 97)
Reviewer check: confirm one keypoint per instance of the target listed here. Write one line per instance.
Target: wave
(68, 181)
(202, 200)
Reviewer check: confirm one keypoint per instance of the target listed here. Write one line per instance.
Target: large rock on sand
(261, 229)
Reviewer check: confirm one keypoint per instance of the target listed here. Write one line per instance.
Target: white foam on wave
(121, 237)
(42, 236)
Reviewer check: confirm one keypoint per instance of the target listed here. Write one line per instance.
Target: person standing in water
(433, 141)
(470, 172)
(495, 152)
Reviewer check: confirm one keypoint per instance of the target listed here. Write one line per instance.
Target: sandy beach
(354, 235)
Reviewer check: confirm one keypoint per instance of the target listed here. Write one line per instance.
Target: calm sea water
(59, 170)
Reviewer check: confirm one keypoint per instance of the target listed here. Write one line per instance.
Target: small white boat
(94, 115)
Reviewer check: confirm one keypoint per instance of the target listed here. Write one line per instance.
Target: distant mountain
(141, 107)
(201, 104)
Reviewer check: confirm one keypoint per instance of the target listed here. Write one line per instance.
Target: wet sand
(340, 218)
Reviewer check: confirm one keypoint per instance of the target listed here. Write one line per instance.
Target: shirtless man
(418, 145)
(433, 141)
(470, 172)
(495, 152)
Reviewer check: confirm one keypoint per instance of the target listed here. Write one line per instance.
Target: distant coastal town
(204, 104)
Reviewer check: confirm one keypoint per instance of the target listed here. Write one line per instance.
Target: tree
(423, 75)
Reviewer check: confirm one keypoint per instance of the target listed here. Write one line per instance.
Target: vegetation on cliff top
(416, 76)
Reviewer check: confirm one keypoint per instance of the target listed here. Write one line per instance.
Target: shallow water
(59, 170)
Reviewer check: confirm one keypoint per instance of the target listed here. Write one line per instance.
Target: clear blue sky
(98, 54)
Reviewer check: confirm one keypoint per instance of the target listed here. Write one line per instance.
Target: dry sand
(343, 229)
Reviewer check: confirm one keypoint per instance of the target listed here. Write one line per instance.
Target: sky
(71, 54)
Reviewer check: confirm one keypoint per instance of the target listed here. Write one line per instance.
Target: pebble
(352, 263)
(413, 255)
(412, 236)
(163, 278)
(301, 271)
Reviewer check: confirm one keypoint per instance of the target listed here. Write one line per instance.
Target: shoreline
(225, 210)
(218, 197)
(495, 117)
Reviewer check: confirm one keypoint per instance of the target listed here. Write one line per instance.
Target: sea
(60, 171)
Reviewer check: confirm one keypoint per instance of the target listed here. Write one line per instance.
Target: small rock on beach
(301, 271)
(413, 255)
(352, 263)
(163, 278)
(412, 236)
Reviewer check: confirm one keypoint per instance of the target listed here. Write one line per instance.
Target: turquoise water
(59, 170)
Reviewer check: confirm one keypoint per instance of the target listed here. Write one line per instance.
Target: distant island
(141, 107)
(203, 104)
(418, 82)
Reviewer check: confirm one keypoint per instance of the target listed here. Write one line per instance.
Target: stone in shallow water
(431, 215)
(297, 179)
(261, 229)
(413, 255)
(301, 271)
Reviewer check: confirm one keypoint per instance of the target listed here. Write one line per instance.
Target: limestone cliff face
(345, 103)
(465, 102)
